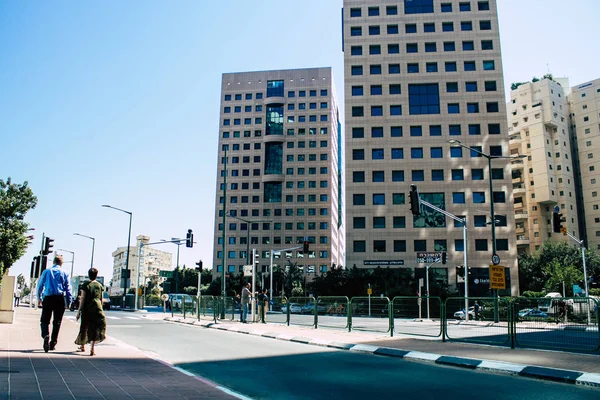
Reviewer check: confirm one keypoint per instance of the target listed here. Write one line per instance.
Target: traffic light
(43, 264)
(444, 257)
(305, 248)
(415, 201)
(35, 268)
(199, 264)
(189, 239)
(556, 220)
(48, 244)
(460, 271)
(255, 256)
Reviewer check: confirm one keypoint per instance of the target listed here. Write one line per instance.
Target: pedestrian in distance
(93, 322)
(17, 297)
(245, 298)
(476, 310)
(54, 292)
(262, 300)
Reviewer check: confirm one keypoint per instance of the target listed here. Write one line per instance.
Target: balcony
(521, 214)
(519, 188)
(522, 240)
(518, 206)
(514, 139)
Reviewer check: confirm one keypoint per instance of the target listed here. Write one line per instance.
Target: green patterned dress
(92, 315)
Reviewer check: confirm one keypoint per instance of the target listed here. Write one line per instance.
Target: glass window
(450, 66)
(378, 176)
(478, 197)
(399, 246)
(447, 26)
(375, 69)
(492, 107)
(416, 152)
(397, 153)
(485, 25)
(395, 109)
(466, 26)
(494, 129)
(376, 90)
(418, 6)
(451, 87)
(355, 12)
(357, 90)
(487, 45)
(374, 49)
(437, 174)
(489, 65)
(378, 222)
(357, 70)
(490, 86)
(391, 10)
(436, 152)
(395, 88)
(397, 176)
(377, 131)
(359, 246)
(458, 197)
(393, 48)
(449, 46)
(398, 198)
(446, 7)
(429, 27)
(468, 45)
(410, 28)
(458, 175)
(359, 222)
(358, 154)
(416, 130)
(358, 111)
(474, 129)
(377, 154)
(424, 99)
(412, 47)
(394, 69)
(358, 176)
(396, 131)
(483, 5)
(412, 68)
(469, 66)
(374, 30)
(453, 108)
(471, 86)
(378, 199)
(392, 29)
(481, 245)
(356, 50)
(477, 174)
(358, 132)
(376, 111)
(373, 11)
(275, 88)
(355, 31)
(464, 6)
(431, 67)
(418, 175)
(358, 199)
(399, 222)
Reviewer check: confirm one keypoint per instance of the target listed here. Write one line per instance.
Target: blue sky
(117, 102)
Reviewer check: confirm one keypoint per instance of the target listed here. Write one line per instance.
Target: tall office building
(538, 125)
(584, 102)
(419, 73)
(282, 177)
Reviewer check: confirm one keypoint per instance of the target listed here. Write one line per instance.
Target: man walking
(262, 299)
(55, 287)
(17, 296)
(245, 298)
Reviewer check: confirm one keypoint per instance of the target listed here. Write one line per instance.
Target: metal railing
(420, 316)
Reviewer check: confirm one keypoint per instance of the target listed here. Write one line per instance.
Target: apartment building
(150, 263)
(280, 172)
(538, 120)
(584, 102)
(417, 74)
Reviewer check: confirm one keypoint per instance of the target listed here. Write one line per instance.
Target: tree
(560, 274)
(15, 201)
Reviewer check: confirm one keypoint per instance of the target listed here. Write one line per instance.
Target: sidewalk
(565, 367)
(117, 371)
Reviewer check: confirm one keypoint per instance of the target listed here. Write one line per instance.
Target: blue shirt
(54, 281)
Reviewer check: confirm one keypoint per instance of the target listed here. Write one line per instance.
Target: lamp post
(124, 280)
(93, 245)
(489, 158)
(178, 242)
(72, 260)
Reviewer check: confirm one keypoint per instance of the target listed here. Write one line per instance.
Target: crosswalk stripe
(109, 317)
(132, 317)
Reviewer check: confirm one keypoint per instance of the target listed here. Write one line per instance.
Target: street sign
(429, 257)
(247, 270)
(495, 259)
(497, 278)
(166, 274)
(369, 291)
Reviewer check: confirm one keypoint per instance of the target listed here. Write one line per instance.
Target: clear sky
(117, 102)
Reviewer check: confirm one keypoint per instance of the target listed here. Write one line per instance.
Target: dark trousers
(52, 305)
(261, 311)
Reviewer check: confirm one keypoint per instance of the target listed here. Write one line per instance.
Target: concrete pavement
(574, 368)
(117, 371)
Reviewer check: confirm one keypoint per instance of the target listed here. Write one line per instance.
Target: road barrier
(274, 314)
(419, 316)
(479, 327)
(333, 312)
(369, 314)
(297, 307)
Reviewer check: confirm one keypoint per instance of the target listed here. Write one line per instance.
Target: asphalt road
(271, 369)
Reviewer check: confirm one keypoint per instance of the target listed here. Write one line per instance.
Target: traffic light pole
(587, 294)
(464, 222)
(427, 283)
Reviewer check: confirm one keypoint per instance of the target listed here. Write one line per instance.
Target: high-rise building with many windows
(418, 74)
(280, 172)
(538, 125)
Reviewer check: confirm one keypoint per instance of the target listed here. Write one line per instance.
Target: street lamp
(493, 216)
(72, 259)
(124, 281)
(93, 245)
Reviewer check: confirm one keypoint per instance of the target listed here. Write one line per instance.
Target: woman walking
(93, 322)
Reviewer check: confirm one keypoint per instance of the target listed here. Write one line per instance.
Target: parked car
(177, 299)
(460, 314)
(309, 308)
(105, 301)
(532, 314)
(295, 308)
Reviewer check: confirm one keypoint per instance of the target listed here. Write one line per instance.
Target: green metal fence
(569, 323)
(369, 314)
(419, 316)
(332, 312)
(477, 324)
(301, 311)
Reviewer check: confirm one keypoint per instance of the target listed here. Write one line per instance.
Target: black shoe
(46, 343)
(52, 345)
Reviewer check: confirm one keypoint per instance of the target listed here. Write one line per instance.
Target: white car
(461, 313)
(295, 308)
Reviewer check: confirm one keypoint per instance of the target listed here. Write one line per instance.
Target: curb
(528, 371)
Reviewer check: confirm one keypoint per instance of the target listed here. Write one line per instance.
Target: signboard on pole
(429, 257)
(247, 270)
(497, 278)
(166, 274)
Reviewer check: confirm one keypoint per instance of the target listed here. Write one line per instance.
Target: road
(264, 368)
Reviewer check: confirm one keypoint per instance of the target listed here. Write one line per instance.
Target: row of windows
(429, 47)
(399, 246)
(420, 7)
(291, 106)
(417, 152)
(399, 222)
(290, 119)
(242, 255)
(288, 226)
(289, 185)
(258, 133)
(290, 93)
(428, 27)
(434, 130)
(277, 212)
(413, 68)
(378, 199)
(477, 174)
(301, 198)
(453, 108)
(257, 146)
(396, 88)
